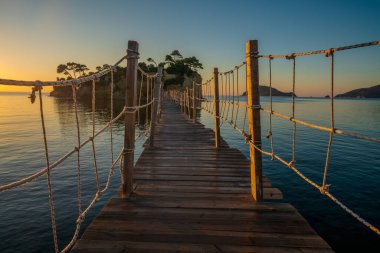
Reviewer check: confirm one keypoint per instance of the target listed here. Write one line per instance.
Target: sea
(354, 168)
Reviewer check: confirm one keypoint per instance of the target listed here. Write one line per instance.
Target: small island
(264, 91)
(179, 72)
(371, 92)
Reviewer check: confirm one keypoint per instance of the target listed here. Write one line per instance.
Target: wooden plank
(104, 246)
(190, 197)
(207, 237)
(196, 183)
(269, 193)
(197, 202)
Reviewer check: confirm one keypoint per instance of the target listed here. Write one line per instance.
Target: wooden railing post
(216, 108)
(253, 103)
(181, 100)
(161, 95)
(188, 101)
(130, 102)
(154, 112)
(194, 105)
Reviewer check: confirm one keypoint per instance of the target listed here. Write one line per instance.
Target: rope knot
(76, 149)
(290, 56)
(325, 189)
(255, 107)
(134, 56)
(247, 137)
(113, 68)
(270, 57)
(91, 138)
(128, 151)
(74, 84)
(131, 109)
(80, 218)
(269, 134)
(255, 54)
(98, 195)
(329, 52)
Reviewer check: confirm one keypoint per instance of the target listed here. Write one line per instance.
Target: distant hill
(264, 91)
(371, 92)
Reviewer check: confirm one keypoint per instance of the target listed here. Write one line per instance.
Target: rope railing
(77, 81)
(326, 52)
(230, 105)
(147, 83)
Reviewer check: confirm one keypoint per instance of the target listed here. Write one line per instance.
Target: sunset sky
(38, 35)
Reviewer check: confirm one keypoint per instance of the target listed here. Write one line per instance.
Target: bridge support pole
(154, 112)
(130, 103)
(253, 103)
(188, 101)
(181, 100)
(194, 105)
(216, 108)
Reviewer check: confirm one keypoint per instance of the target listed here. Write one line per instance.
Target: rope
(246, 107)
(111, 134)
(270, 133)
(139, 100)
(233, 97)
(49, 167)
(322, 128)
(93, 135)
(238, 96)
(74, 87)
(321, 189)
(226, 90)
(96, 197)
(51, 202)
(64, 82)
(43, 171)
(293, 112)
(147, 99)
(150, 75)
(324, 186)
(323, 51)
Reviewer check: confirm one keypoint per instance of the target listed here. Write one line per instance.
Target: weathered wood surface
(190, 197)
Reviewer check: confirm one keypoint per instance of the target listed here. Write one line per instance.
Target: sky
(38, 35)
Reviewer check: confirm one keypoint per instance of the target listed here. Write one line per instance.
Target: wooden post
(194, 105)
(182, 101)
(188, 101)
(216, 108)
(185, 100)
(253, 103)
(161, 95)
(130, 101)
(154, 112)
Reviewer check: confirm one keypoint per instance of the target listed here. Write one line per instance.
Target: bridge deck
(190, 197)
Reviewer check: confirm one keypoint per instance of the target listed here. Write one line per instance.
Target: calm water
(354, 169)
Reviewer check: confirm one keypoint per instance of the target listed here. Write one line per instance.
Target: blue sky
(38, 35)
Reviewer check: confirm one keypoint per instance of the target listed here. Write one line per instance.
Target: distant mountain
(371, 92)
(264, 91)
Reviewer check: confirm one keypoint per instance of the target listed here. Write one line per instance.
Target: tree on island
(177, 68)
(178, 71)
(71, 69)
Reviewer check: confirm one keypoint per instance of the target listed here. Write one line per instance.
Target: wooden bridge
(189, 196)
(189, 191)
